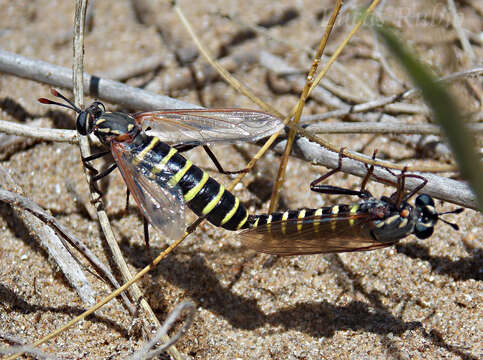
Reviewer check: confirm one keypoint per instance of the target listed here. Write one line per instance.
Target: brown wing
(208, 125)
(318, 234)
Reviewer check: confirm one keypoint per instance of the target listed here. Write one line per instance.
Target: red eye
(404, 213)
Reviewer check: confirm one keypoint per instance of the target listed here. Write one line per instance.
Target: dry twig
(48, 239)
(84, 146)
(145, 353)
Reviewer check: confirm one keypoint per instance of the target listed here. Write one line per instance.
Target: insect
(162, 181)
(367, 225)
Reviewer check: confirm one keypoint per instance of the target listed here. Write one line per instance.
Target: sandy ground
(420, 299)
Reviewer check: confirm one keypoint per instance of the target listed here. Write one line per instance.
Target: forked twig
(277, 186)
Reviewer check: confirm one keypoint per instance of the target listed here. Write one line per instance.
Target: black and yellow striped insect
(162, 181)
(367, 225)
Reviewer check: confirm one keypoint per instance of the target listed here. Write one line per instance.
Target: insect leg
(218, 165)
(370, 171)
(185, 147)
(93, 157)
(417, 188)
(336, 190)
(146, 237)
(95, 176)
(400, 184)
(126, 209)
(94, 171)
(104, 173)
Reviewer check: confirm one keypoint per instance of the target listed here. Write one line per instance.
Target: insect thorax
(390, 223)
(114, 124)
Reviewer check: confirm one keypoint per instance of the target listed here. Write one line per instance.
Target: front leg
(94, 173)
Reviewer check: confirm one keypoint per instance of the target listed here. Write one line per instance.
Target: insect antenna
(453, 225)
(70, 105)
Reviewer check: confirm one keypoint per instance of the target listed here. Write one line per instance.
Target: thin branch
(11, 128)
(25, 349)
(278, 183)
(173, 317)
(49, 241)
(382, 128)
(11, 144)
(373, 104)
(456, 21)
(85, 151)
(104, 89)
(456, 192)
(17, 200)
(124, 72)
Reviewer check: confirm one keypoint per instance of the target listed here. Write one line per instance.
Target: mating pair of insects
(162, 182)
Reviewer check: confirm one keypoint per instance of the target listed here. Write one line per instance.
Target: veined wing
(195, 126)
(162, 205)
(317, 234)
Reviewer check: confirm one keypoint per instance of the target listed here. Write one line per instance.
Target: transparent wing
(162, 205)
(194, 126)
(331, 235)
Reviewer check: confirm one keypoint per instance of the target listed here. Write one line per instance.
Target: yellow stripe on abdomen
(160, 166)
(353, 211)
(317, 213)
(284, 222)
(230, 213)
(300, 218)
(211, 205)
(147, 149)
(177, 177)
(195, 190)
(241, 223)
(333, 223)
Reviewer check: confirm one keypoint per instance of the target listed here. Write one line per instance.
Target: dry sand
(420, 299)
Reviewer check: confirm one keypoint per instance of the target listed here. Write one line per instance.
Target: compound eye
(423, 200)
(82, 123)
(423, 231)
(97, 109)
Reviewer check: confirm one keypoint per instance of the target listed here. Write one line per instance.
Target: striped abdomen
(204, 196)
(306, 221)
(367, 225)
